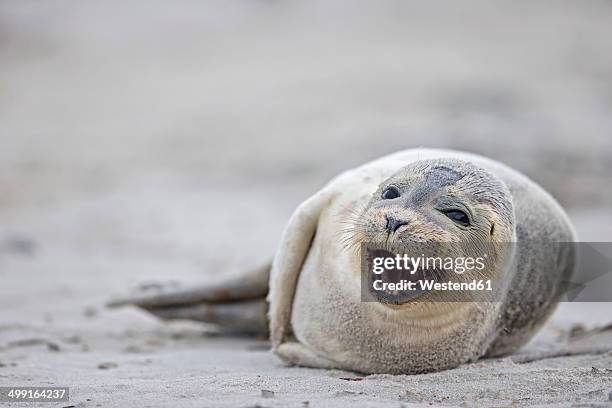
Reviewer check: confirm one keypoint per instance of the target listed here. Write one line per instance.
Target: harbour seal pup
(316, 314)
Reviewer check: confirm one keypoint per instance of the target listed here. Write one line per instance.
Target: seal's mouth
(396, 285)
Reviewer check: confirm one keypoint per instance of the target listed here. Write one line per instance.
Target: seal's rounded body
(316, 314)
(317, 317)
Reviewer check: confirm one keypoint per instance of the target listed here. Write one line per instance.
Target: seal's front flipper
(248, 317)
(250, 286)
(287, 264)
(298, 354)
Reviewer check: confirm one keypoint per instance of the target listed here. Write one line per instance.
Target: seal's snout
(393, 223)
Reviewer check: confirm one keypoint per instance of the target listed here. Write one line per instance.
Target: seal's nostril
(393, 224)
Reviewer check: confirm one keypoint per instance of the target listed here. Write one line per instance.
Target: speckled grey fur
(316, 314)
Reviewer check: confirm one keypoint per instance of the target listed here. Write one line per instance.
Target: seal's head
(443, 207)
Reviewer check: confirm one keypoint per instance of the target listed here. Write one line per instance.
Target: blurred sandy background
(150, 140)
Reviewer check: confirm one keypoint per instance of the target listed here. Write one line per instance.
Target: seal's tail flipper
(237, 304)
(249, 316)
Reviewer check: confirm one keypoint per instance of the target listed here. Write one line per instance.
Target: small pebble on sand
(267, 393)
(53, 346)
(107, 365)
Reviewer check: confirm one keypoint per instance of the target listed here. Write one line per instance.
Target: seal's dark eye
(390, 193)
(458, 216)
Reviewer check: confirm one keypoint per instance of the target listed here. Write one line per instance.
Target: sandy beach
(135, 136)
